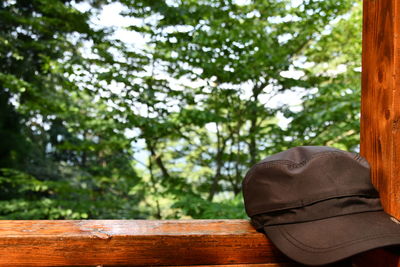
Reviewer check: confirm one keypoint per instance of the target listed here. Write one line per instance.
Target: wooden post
(380, 103)
(380, 108)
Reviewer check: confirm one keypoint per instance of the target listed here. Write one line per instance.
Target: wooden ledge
(134, 243)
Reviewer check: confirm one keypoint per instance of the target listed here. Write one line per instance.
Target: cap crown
(304, 175)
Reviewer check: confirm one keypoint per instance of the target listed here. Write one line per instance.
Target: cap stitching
(289, 163)
(316, 155)
(301, 203)
(286, 234)
(337, 215)
(323, 250)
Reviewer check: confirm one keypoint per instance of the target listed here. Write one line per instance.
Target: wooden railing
(223, 243)
(233, 242)
(135, 243)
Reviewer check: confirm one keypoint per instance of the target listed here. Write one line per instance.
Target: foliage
(330, 115)
(62, 153)
(95, 127)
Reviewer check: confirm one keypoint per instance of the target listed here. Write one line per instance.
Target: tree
(197, 100)
(237, 53)
(67, 156)
(330, 114)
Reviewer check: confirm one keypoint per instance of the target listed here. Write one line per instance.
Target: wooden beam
(134, 243)
(380, 103)
(380, 111)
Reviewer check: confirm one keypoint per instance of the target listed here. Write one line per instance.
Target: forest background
(161, 117)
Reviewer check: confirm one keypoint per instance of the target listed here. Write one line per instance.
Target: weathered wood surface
(380, 105)
(380, 109)
(133, 243)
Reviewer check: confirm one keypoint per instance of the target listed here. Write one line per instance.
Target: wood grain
(380, 104)
(133, 243)
(380, 110)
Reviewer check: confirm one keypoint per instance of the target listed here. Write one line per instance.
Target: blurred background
(155, 109)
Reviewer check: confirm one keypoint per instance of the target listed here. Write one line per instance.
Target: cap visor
(328, 240)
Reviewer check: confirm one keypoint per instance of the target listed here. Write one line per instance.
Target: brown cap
(317, 204)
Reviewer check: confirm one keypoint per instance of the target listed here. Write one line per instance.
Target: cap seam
(289, 163)
(310, 201)
(299, 245)
(337, 215)
(324, 250)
